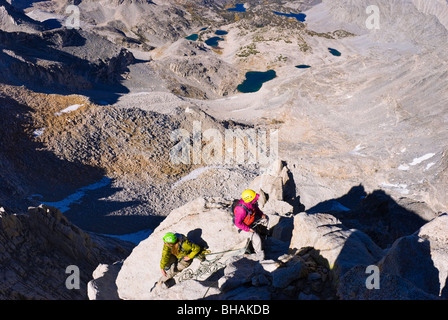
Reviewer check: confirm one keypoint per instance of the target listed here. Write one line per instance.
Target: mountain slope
(91, 115)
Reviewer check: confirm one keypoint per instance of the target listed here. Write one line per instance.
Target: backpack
(182, 239)
(234, 205)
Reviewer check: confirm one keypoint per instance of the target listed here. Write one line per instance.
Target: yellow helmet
(248, 195)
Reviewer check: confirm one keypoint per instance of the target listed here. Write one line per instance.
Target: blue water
(298, 16)
(238, 8)
(192, 37)
(303, 66)
(254, 80)
(205, 28)
(213, 41)
(221, 32)
(334, 52)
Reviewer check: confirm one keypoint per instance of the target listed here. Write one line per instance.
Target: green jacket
(189, 249)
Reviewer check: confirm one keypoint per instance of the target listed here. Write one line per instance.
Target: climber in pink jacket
(246, 212)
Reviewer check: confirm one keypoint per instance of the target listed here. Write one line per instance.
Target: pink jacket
(240, 212)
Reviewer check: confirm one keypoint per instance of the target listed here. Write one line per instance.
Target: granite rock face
(45, 257)
(421, 275)
(88, 120)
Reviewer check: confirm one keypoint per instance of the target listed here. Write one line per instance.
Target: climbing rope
(205, 267)
(211, 266)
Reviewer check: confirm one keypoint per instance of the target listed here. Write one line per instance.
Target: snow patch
(429, 165)
(417, 161)
(194, 174)
(422, 158)
(69, 109)
(38, 132)
(356, 152)
(399, 187)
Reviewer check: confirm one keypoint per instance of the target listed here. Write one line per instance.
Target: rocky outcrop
(348, 120)
(420, 275)
(308, 256)
(12, 19)
(275, 189)
(143, 21)
(205, 221)
(67, 59)
(427, 267)
(193, 71)
(243, 276)
(230, 271)
(102, 286)
(44, 256)
(341, 248)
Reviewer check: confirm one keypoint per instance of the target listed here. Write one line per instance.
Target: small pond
(334, 52)
(254, 80)
(303, 66)
(238, 8)
(213, 41)
(298, 16)
(221, 32)
(192, 37)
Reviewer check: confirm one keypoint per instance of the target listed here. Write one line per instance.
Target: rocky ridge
(38, 248)
(308, 256)
(370, 125)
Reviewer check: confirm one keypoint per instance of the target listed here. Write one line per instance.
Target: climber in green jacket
(178, 253)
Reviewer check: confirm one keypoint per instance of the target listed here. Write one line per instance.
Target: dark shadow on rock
(444, 293)
(407, 272)
(350, 201)
(239, 284)
(97, 214)
(411, 260)
(40, 64)
(290, 193)
(196, 237)
(27, 168)
(377, 214)
(51, 24)
(379, 218)
(283, 229)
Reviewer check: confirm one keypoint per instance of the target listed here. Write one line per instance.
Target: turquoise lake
(254, 80)
(192, 37)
